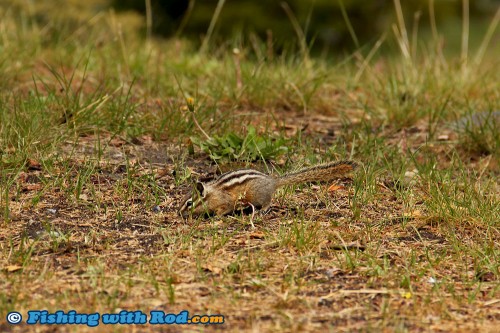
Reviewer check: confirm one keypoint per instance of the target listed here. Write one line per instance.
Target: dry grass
(95, 156)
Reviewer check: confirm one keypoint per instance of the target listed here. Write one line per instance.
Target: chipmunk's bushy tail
(322, 172)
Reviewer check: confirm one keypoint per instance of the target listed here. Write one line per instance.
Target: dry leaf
(12, 268)
(33, 164)
(257, 235)
(413, 214)
(117, 142)
(31, 187)
(162, 173)
(335, 187)
(211, 268)
(241, 241)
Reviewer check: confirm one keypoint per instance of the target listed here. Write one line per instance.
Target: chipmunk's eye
(189, 203)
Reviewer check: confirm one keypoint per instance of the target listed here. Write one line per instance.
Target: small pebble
(330, 273)
(156, 209)
(55, 234)
(476, 121)
(410, 178)
(443, 137)
(52, 211)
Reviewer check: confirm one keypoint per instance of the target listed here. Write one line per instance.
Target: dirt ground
(313, 263)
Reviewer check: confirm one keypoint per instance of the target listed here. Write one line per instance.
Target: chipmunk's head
(193, 202)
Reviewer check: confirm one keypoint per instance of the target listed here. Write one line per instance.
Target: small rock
(325, 302)
(411, 174)
(52, 211)
(330, 273)
(410, 178)
(156, 209)
(55, 234)
(443, 137)
(40, 234)
(475, 121)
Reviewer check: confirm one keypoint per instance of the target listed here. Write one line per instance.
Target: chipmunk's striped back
(235, 178)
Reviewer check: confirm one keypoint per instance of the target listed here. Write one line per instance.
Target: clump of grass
(479, 132)
(459, 197)
(251, 147)
(233, 147)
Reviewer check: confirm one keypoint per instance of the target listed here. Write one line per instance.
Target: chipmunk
(224, 194)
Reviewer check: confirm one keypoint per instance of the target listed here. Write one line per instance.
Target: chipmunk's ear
(200, 187)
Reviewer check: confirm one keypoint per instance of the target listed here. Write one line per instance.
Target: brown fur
(244, 187)
(323, 172)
